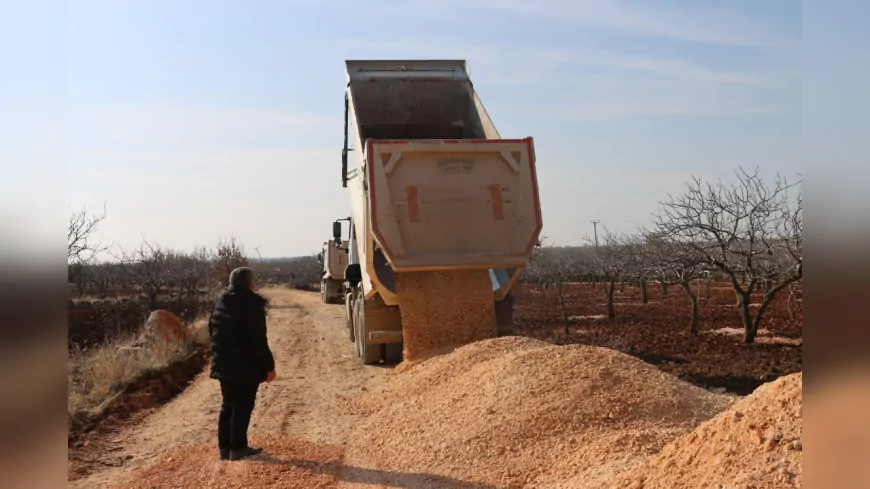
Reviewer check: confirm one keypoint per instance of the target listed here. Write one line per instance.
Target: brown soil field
(658, 332)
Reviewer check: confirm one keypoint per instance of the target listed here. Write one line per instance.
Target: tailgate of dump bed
(453, 204)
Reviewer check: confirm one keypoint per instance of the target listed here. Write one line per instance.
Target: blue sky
(194, 120)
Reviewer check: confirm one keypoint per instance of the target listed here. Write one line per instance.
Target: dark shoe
(225, 453)
(245, 452)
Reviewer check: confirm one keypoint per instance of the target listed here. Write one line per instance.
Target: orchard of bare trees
(155, 272)
(748, 233)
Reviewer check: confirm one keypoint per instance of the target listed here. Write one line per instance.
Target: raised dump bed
(445, 212)
(448, 204)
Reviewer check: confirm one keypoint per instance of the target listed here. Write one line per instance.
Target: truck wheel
(369, 354)
(356, 333)
(327, 297)
(393, 353)
(348, 315)
(335, 292)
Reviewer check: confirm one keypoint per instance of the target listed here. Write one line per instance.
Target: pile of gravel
(755, 444)
(514, 412)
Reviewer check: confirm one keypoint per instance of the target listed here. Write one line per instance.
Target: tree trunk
(643, 295)
(152, 299)
(709, 280)
(621, 286)
(791, 302)
(693, 299)
(750, 327)
(80, 286)
(768, 297)
(610, 313)
(562, 306)
(664, 288)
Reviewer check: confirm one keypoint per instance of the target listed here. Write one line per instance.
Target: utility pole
(595, 229)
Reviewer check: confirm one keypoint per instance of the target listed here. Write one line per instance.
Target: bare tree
(101, 276)
(782, 267)
(678, 263)
(738, 229)
(614, 259)
(230, 255)
(642, 273)
(150, 267)
(79, 247)
(305, 272)
(554, 266)
(638, 263)
(193, 272)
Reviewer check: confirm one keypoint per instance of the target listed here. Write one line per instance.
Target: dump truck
(442, 208)
(333, 258)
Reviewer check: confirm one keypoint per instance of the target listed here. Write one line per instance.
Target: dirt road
(316, 368)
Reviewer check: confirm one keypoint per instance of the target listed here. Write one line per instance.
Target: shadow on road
(375, 477)
(286, 306)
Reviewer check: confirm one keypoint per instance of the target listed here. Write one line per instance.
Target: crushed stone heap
(755, 444)
(516, 412)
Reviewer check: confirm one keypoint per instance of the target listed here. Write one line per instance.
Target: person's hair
(241, 278)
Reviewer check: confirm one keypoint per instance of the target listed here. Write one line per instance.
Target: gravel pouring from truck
(434, 190)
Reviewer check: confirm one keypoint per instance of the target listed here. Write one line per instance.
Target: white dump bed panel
(449, 204)
(334, 260)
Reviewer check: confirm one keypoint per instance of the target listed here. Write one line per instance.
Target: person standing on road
(240, 359)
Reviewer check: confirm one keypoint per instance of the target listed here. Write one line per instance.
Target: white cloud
(520, 66)
(710, 27)
(614, 106)
(687, 70)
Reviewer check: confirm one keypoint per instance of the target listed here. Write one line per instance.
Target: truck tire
(369, 354)
(393, 353)
(348, 315)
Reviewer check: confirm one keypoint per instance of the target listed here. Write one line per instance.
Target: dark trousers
(236, 409)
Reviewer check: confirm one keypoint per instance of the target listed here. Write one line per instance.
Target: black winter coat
(239, 348)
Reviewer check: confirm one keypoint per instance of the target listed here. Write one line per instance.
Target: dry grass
(98, 375)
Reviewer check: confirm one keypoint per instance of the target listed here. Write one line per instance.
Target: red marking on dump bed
(497, 207)
(413, 208)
